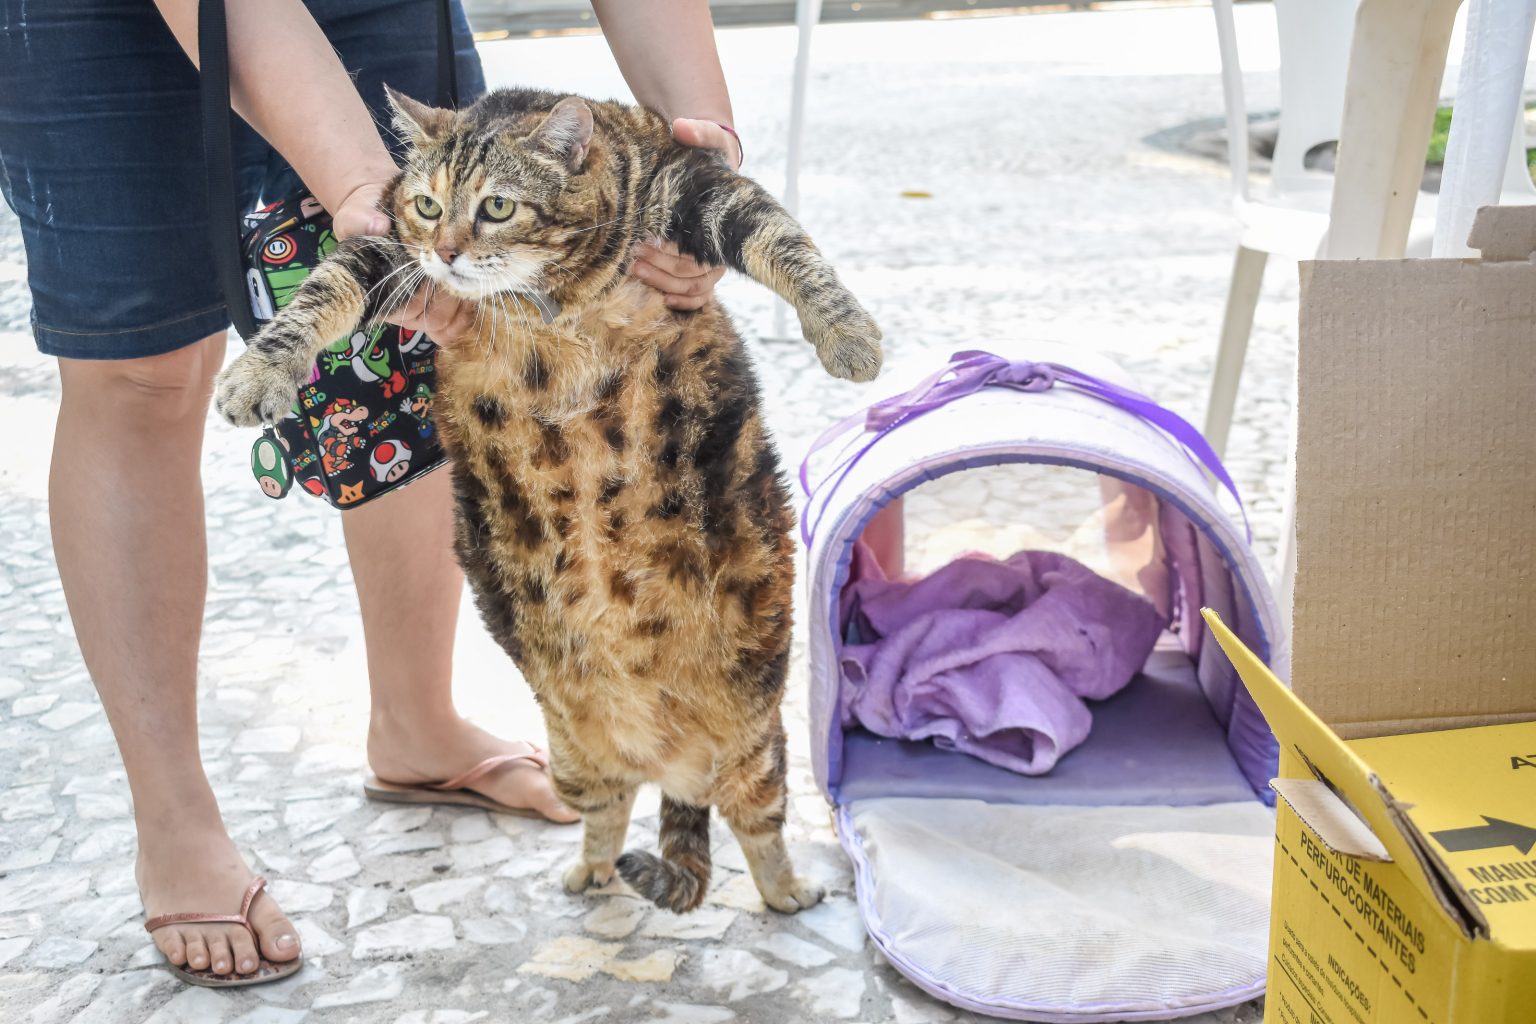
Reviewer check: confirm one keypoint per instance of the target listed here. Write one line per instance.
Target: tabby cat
(621, 515)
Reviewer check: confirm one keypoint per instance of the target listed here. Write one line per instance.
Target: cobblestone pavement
(1048, 218)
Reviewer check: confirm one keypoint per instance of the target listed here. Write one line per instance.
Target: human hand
(445, 318)
(684, 282)
(359, 212)
(693, 131)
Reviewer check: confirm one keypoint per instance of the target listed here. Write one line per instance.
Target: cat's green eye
(428, 207)
(498, 207)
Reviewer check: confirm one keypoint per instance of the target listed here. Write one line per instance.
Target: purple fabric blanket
(991, 658)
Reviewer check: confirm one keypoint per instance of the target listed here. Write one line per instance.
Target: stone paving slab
(1048, 218)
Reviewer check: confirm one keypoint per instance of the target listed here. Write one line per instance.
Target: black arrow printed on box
(1496, 833)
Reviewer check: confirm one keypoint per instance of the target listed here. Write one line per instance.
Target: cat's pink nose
(448, 255)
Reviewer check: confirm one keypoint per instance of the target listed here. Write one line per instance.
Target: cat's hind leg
(343, 291)
(753, 797)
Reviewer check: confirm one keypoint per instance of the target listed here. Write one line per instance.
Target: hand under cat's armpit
(684, 282)
(445, 318)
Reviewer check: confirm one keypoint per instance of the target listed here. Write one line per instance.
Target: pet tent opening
(1126, 875)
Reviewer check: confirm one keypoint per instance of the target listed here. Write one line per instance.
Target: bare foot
(198, 870)
(409, 753)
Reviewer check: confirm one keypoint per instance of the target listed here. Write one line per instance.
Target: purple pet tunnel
(1130, 880)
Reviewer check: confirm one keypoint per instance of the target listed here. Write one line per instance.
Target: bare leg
(126, 504)
(409, 588)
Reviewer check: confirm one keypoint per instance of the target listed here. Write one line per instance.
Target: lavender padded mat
(1155, 742)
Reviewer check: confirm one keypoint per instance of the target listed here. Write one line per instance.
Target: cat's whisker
(563, 270)
(479, 306)
(404, 267)
(637, 214)
(516, 303)
(404, 289)
(514, 307)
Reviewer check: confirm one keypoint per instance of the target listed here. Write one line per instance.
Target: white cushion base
(1064, 913)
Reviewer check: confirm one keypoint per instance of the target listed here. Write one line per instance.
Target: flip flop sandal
(266, 970)
(456, 791)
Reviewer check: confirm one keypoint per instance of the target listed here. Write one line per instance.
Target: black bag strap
(218, 148)
(447, 64)
(219, 158)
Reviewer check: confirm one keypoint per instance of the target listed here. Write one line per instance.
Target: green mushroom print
(270, 465)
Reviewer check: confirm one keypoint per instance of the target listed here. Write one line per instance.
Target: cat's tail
(676, 880)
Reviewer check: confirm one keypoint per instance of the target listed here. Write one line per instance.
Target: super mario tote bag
(361, 424)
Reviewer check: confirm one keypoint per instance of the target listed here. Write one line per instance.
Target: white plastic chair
(807, 16)
(1490, 86)
(1290, 218)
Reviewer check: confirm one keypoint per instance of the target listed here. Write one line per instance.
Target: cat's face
(486, 206)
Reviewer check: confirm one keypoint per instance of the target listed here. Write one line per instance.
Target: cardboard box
(1405, 870)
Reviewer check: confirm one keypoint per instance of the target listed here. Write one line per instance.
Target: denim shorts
(101, 158)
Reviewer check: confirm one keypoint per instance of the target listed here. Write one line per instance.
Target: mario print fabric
(362, 423)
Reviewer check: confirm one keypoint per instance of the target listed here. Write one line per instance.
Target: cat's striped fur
(621, 515)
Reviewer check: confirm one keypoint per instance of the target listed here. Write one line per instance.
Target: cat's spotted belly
(648, 614)
(627, 535)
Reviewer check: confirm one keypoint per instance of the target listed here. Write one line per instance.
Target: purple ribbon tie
(966, 374)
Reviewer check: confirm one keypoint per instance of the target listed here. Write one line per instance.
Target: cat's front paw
(583, 876)
(848, 344)
(258, 389)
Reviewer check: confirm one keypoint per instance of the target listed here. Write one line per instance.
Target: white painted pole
(1488, 102)
(807, 14)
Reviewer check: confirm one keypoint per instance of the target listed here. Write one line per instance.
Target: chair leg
(1236, 325)
(1396, 62)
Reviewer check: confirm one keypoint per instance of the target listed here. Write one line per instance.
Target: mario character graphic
(271, 467)
(415, 344)
(285, 241)
(389, 461)
(259, 295)
(369, 358)
(337, 433)
(418, 405)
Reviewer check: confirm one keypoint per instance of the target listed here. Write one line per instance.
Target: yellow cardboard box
(1405, 867)
(1405, 880)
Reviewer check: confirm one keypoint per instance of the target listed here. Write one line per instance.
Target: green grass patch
(1441, 133)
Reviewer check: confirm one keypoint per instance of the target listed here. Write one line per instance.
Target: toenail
(286, 942)
(247, 966)
(221, 966)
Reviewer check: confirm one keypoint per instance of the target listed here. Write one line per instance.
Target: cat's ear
(416, 122)
(567, 132)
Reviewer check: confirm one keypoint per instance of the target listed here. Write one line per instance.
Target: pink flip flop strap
(538, 758)
(257, 884)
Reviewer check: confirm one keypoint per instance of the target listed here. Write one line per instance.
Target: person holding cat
(101, 159)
